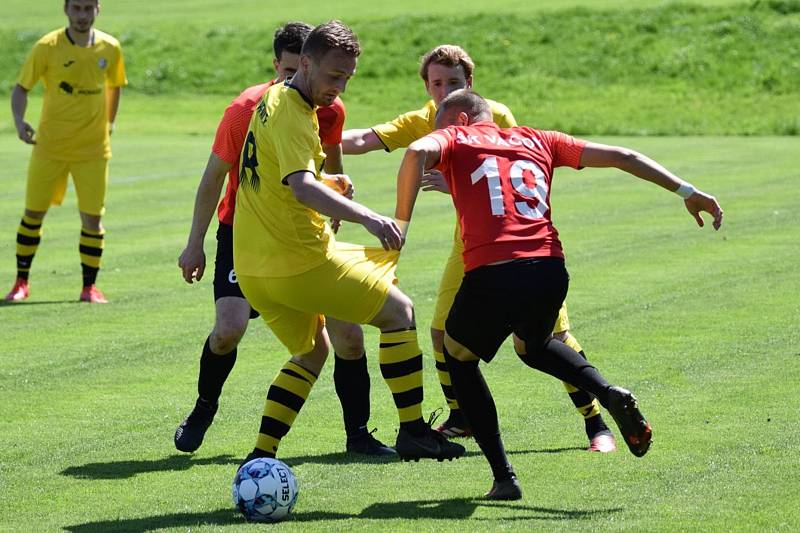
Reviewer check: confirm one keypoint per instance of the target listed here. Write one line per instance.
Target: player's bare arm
(19, 103)
(421, 155)
(356, 142)
(641, 166)
(113, 95)
(333, 158)
(326, 201)
(333, 165)
(192, 260)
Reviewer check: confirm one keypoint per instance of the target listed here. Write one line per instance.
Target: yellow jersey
(274, 235)
(414, 125)
(74, 120)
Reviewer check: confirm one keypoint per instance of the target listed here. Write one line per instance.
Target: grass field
(701, 325)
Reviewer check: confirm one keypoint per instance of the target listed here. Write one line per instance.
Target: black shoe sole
(635, 430)
(408, 459)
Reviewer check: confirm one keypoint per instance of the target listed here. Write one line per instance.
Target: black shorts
(521, 297)
(225, 282)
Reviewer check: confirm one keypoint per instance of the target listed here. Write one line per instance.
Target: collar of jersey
(288, 83)
(69, 38)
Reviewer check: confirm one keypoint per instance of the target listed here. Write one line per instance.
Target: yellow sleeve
(502, 116)
(115, 75)
(34, 67)
(295, 143)
(403, 130)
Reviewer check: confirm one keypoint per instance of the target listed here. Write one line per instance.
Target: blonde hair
(449, 55)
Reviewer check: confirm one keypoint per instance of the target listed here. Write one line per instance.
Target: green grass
(701, 325)
(659, 69)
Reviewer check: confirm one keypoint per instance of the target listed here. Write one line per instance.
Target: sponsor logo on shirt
(69, 63)
(66, 88)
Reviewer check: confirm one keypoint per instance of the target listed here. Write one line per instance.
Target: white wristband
(403, 225)
(685, 190)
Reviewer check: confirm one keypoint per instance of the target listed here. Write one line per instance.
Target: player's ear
(462, 119)
(276, 63)
(469, 82)
(305, 63)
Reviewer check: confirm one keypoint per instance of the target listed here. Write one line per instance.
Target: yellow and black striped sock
(587, 405)
(285, 398)
(401, 366)
(444, 380)
(29, 235)
(91, 250)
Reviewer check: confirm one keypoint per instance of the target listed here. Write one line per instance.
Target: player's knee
(459, 352)
(531, 349)
(226, 336)
(397, 313)
(347, 340)
(437, 339)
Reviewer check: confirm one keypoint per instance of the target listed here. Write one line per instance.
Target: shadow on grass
(4, 303)
(547, 450)
(445, 509)
(180, 462)
(128, 469)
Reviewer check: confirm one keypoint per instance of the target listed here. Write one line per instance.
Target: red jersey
(233, 127)
(500, 183)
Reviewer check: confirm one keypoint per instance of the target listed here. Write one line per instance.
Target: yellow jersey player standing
(83, 71)
(290, 267)
(445, 69)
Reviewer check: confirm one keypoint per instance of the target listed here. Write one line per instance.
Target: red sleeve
(331, 122)
(231, 132)
(444, 139)
(566, 149)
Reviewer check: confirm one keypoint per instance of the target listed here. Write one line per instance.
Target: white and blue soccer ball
(265, 490)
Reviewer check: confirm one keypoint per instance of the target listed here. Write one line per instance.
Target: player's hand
(700, 201)
(386, 230)
(340, 183)
(434, 181)
(25, 132)
(192, 263)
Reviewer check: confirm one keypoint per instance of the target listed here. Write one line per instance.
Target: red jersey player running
(232, 309)
(515, 279)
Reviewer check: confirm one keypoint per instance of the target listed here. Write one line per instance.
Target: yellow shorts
(451, 281)
(47, 183)
(351, 286)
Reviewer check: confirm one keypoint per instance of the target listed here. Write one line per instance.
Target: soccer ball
(265, 490)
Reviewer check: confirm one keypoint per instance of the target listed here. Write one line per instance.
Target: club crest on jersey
(102, 62)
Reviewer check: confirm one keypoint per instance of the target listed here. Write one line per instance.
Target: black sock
(559, 360)
(214, 370)
(595, 426)
(351, 379)
(477, 406)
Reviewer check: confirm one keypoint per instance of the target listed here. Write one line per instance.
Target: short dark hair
(466, 100)
(332, 35)
(66, 2)
(290, 37)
